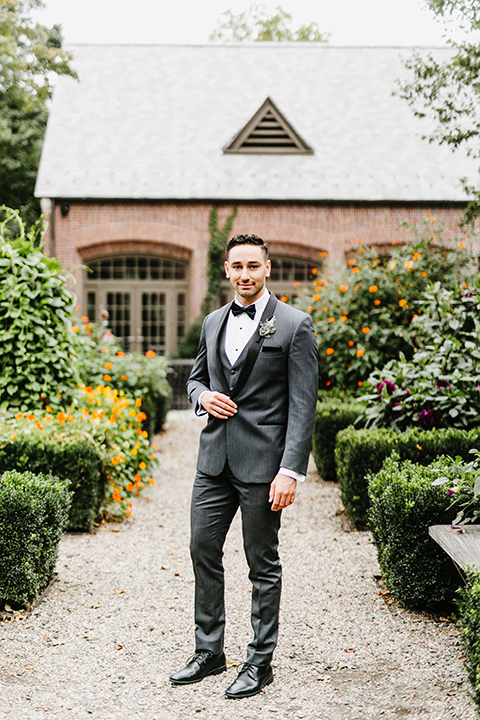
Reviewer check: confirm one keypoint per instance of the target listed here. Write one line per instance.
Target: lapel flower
(267, 328)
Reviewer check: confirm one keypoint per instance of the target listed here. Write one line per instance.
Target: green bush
(33, 516)
(36, 309)
(360, 452)
(404, 503)
(468, 618)
(76, 459)
(440, 385)
(332, 415)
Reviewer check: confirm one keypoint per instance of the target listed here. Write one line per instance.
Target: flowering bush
(440, 385)
(101, 361)
(462, 485)
(114, 421)
(363, 313)
(35, 319)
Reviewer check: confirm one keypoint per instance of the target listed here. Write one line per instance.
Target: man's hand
(282, 491)
(218, 405)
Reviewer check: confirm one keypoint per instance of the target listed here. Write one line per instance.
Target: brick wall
(180, 230)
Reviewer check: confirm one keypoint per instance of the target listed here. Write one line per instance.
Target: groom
(256, 377)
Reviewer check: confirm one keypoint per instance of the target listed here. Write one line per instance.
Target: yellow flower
(142, 465)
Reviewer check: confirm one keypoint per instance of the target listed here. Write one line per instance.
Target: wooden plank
(463, 547)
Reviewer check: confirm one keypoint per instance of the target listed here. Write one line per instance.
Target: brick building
(307, 140)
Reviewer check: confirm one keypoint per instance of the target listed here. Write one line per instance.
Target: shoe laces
(201, 657)
(248, 668)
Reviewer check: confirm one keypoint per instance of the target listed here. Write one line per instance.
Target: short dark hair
(247, 240)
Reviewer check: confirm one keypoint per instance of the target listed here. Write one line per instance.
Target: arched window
(145, 297)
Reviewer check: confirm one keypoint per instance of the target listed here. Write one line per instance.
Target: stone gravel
(117, 621)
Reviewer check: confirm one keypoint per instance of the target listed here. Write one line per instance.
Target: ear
(269, 268)
(227, 274)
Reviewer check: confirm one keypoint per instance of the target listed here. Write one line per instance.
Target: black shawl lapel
(216, 344)
(254, 347)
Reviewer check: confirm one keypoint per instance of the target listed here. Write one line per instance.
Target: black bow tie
(239, 309)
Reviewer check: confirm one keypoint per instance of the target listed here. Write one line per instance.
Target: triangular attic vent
(268, 132)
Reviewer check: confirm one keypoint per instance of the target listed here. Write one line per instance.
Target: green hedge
(468, 618)
(76, 459)
(331, 416)
(360, 452)
(404, 503)
(33, 516)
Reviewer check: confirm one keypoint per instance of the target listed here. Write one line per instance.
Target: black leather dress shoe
(201, 664)
(250, 680)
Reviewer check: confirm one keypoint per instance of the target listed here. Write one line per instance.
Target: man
(256, 377)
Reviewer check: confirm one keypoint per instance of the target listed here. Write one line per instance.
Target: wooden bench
(463, 546)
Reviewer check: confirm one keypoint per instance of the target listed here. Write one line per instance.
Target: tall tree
(30, 55)
(449, 91)
(259, 24)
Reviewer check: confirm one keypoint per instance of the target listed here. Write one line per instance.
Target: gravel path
(118, 621)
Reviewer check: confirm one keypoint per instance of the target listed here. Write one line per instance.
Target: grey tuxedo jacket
(275, 389)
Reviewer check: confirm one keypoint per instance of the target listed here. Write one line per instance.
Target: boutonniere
(267, 328)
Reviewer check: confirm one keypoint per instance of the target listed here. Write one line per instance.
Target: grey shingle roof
(151, 121)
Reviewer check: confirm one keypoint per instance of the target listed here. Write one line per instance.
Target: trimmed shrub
(404, 503)
(468, 618)
(332, 415)
(360, 452)
(73, 458)
(33, 515)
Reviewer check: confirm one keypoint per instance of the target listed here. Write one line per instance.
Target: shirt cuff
(200, 410)
(291, 473)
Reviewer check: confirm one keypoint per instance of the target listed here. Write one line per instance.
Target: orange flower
(423, 273)
(325, 309)
(365, 330)
(107, 378)
(150, 353)
(129, 487)
(355, 270)
(316, 297)
(377, 302)
(296, 284)
(432, 219)
(373, 288)
(416, 256)
(310, 308)
(142, 465)
(352, 261)
(120, 354)
(328, 383)
(314, 271)
(461, 245)
(48, 409)
(124, 377)
(74, 328)
(105, 349)
(115, 460)
(108, 366)
(360, 353)
(343, 318)
(138, 478)
(323, 254)
(152, 482)
(359, 383)
(331, 319)
(84, 319)
(330, 351)
(343, 288)
(402, 302)
(351, 343)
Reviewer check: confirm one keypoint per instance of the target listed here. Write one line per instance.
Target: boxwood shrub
(33, 515)
(468, 618)
(404, 503)
(73, 458)
(332, 415)
(360, 452)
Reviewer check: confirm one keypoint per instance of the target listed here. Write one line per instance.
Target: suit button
(232, 372)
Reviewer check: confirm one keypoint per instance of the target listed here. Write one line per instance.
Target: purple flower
(451, 491)
(430, 418)
(391, 387)
(443, 384)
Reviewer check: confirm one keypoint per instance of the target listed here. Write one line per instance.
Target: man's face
(247, 270)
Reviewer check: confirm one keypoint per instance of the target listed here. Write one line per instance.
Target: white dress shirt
(239, 329)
